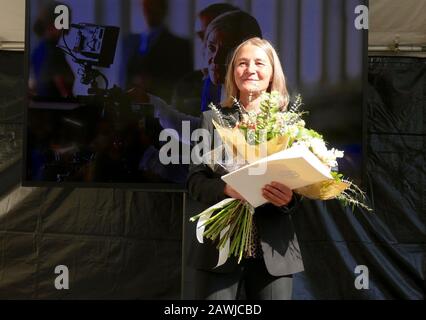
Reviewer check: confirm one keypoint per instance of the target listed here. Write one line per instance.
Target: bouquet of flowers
(256, 135)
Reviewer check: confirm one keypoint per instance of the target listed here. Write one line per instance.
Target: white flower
(332, 163)
(301, 123)
(304, 136)
(338, 153)
(292, 131)
(318, 147)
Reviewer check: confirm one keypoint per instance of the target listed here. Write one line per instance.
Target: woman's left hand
(277, 194)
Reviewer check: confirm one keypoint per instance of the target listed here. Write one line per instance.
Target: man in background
(156, 59)
(195, 90)
(51, 75)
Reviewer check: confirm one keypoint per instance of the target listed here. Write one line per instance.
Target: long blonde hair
(278, 82)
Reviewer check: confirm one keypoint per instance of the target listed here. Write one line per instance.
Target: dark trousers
(250, 281)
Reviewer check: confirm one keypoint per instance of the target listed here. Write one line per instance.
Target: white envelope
(294, 167)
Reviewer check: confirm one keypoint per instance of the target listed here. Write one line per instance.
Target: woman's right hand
(231, 192)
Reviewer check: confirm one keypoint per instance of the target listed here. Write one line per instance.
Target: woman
(253, 69)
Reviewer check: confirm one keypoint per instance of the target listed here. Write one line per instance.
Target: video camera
(95, 45)
(107, 132)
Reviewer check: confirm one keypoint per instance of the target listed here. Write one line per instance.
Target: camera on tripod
(94, 46)
(104, 137)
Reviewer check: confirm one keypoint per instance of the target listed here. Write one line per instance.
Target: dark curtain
(117, 244)
(11, 117)
(126, 244)
(391, 241)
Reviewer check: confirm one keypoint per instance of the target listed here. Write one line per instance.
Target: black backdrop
(391, 242)
(127, 244)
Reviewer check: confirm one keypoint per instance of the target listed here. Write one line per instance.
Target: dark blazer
(166, 60)
(187, 93)
(277, 236)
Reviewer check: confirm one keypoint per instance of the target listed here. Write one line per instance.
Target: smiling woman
(273, 256)
(252, 73)
(256, 68)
